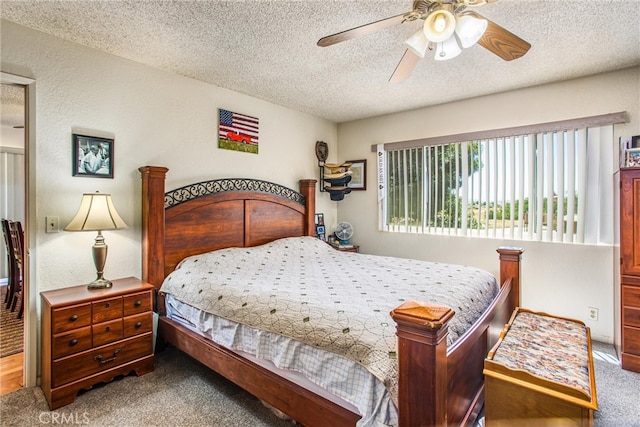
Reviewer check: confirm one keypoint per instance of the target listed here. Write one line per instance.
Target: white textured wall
(558, 278)
(157, 118)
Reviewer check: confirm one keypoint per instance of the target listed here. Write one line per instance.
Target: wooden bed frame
(437, 385)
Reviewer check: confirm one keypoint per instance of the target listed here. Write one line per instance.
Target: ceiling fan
(449, 26)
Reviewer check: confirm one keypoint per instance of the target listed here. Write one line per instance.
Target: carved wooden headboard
(214, 215)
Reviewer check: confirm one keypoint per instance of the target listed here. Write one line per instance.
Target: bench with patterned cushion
(540, 373)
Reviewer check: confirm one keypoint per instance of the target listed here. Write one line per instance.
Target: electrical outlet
(593, 313)
(53, 224)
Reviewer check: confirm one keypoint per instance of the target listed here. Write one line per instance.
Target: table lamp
(97, 213)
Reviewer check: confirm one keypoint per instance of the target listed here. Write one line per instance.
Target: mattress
(338, 302)
(332, 376)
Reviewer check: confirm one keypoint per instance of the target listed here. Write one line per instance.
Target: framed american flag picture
(238, 132)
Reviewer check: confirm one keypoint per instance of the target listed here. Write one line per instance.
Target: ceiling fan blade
(360, 31)
(501, 42)
(405, 67)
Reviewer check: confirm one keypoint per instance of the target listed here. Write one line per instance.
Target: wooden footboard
(449, 389)
(437, 386)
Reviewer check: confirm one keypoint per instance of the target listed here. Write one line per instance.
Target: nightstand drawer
(91, 362)
(71, 342)
(137, 303)
(106, 332)
(631, 296)
(631, 340)
(107, 309)
(66, 319)
(631, 316)
(138, 324)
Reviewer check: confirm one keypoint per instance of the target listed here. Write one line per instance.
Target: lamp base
(99, 258)
(100, 283)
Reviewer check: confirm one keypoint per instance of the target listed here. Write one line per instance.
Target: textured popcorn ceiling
(267, 49)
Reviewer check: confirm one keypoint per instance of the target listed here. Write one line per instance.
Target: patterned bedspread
(303, 289)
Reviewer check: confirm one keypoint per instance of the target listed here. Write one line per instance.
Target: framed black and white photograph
(319, 219)
(92, 156)
(358, 174)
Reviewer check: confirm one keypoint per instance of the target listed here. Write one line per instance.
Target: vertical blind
(545, 186)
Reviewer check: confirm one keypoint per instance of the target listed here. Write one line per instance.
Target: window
(542, 185)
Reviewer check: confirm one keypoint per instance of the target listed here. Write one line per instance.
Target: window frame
(512, 135)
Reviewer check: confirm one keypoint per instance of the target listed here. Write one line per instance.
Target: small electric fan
(344, 232)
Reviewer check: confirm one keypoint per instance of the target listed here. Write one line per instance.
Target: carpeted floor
(618, 391)
(182, 392)
(179, 392)
(11, 329)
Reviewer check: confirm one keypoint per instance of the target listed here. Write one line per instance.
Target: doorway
(18, 366)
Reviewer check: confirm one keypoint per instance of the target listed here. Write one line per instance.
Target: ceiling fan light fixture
(418, 43)
(439, 25)
(447, 49)
(470, 29)
(474, 2)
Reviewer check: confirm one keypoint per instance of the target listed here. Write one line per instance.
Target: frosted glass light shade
(469, 29)
(474, 2)
(96, 213)
(439, 25)
(448, 49)
(418, 43)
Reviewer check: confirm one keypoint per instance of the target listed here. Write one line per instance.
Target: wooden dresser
(92, 336)
(630, 267)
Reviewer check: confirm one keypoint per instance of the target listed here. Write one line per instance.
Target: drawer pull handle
(73, 342)
(138, 303)
(73, 318)
(107, 305)
(111, 359)
(107, 329)
(138, 325)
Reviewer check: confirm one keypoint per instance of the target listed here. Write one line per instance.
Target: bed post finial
(422, 330)
(510, 269)
(308, 190)
(153, 178)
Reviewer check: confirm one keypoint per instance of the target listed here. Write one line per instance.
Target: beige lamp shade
(96, 213)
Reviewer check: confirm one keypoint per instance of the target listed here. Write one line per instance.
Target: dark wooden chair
(6, 232)
(14, 239)
(19, 296)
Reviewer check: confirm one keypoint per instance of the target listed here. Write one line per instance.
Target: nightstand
(350, 248)
(92, 336)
